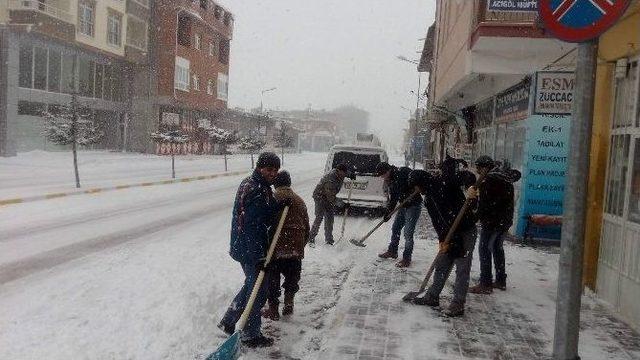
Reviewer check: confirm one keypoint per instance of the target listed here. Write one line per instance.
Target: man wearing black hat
(324, 197)
(397, 181)
(495, 213)
(254, 212)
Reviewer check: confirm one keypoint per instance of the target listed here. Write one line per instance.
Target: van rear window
(363, 163)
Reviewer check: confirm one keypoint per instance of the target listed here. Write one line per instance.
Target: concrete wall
(454, 20)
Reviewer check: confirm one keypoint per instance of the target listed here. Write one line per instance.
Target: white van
(369, 191)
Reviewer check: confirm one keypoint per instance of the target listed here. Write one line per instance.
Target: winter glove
(472, 193)
(444, 247)
(261, 266)
(387, 215)
(286, 202)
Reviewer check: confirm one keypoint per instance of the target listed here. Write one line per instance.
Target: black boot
(226, 328)
(427, 300)
(288, 304)
(258, 342)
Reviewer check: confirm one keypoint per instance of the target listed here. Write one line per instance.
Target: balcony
(43, 7)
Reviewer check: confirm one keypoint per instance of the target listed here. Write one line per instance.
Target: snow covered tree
(252, 144)
(73, 126)
(172, 138)
(223, 137)
(282, 139)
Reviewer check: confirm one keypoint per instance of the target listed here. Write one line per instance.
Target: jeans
(491, 245)
(323, 211)
(290, 269)
(407, 218)
(252, 328)
(444, 265)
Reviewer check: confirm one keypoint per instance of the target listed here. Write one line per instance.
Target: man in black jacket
(444, 198)
(495, 213)
(397, 181)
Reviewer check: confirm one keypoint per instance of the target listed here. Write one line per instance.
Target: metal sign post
(583, 22)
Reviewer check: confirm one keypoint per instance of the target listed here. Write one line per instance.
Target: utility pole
(569, 295)
(415, 130)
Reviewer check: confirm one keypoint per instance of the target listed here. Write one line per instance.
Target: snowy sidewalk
(372, 322)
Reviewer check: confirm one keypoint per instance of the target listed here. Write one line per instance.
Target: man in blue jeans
(254, 214)
(397, 180)
(495, 213)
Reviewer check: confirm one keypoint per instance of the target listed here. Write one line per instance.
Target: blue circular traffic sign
(580, 20)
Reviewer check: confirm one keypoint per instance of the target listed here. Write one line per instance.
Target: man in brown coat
(287, 258)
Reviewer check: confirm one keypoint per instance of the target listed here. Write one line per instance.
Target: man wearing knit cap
(253, 217)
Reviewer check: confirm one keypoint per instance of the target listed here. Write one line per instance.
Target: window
(634, 194)
(181, 78)
(210, 85)
(99, 80)
(223, 87)
(86, 17)
(136, 33)
(227, 19)
(68, 77)
(114, 28)
(363, 163)
(55, 62)
(212, 48)
(204, 4)
(198, 41)
(184, 30)
(195, 82)
(217, 12)
(224, 51)
(616, 186)
(86, 71)
(40, 68)
(26, 66)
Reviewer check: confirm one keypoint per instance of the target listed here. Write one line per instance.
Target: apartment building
(52, 48)
(192, 58)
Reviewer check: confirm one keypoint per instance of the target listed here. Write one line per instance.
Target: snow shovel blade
(411, 296)
(229, 350)
(357, 242)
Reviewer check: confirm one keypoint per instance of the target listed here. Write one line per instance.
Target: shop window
(117, 83)
(184, 30)
(40, 68)
(107, 82)
(26, 66)
(616, 185)
(55, 63)
(86, 77)
(99, 80)
(68, 77)
(634, 195)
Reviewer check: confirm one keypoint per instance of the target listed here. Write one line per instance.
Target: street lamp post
(262, 97)
(415, 129)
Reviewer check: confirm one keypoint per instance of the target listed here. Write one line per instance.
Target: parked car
(369, 192)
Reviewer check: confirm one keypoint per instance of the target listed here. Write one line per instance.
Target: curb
(115, 188)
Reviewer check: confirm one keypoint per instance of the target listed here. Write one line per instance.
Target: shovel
(414, 294)
(230, 349)
(361, 241)
(346, 213)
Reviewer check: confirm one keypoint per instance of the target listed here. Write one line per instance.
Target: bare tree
(73, 126)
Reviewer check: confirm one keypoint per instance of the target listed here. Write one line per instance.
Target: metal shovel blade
(411, 296)
(357, 242)
(229, 350)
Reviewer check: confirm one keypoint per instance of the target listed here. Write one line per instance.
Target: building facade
(50, 49)
(139, 65)
(612, 233)
(192, 62)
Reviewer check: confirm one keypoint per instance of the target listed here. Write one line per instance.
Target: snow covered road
(140, 273)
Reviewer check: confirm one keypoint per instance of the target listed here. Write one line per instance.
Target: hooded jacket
(495, 205)
(254, 212)
(295, 231)
(400, 188)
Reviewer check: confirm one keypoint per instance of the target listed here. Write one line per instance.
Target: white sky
(329, 53)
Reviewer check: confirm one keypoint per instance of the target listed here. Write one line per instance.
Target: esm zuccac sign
(554, 92)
